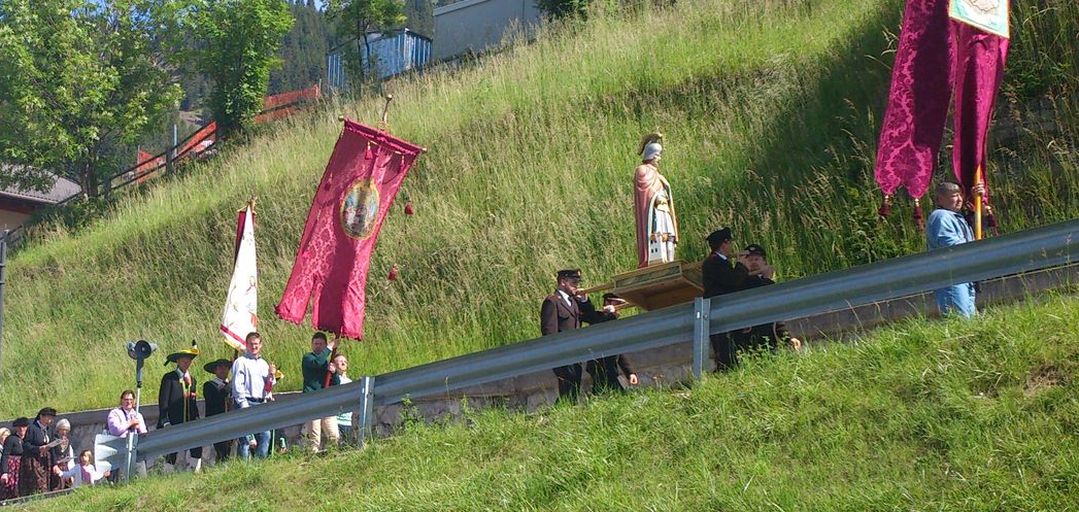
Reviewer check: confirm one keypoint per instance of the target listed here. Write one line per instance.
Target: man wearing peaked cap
(564, 310)
(722, 276)
(176, 401)
(766, 336)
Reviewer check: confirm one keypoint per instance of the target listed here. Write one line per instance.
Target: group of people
(724, 271)
(37, 456)
(245, 382)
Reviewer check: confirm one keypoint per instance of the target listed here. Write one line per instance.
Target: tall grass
(920, 416)
(769, 112)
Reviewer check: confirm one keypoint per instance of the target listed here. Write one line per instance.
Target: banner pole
(3, 281)
(978, 205)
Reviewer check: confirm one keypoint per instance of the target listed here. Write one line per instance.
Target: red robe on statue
(647, 183)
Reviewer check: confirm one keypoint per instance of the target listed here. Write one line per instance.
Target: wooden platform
(659, 286)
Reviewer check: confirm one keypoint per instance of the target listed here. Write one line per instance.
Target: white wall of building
(478, 25)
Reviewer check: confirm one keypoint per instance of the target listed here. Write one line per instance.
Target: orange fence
(277, 106)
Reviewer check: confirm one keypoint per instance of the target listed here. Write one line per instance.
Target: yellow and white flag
(241, 305)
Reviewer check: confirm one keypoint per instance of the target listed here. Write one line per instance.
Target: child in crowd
(84, 473)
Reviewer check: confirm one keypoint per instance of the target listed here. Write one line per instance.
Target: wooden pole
(978, 205)
(3, 279)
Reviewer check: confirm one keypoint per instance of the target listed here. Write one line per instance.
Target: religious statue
(653, 205)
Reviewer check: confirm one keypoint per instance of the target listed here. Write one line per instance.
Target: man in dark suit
(564, 310)
(722, 276)
(604, 371)
(764, 336)
(176, 402)
(216, 391)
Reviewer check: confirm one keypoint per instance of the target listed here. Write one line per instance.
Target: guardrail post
(367, 387)
(701, 311)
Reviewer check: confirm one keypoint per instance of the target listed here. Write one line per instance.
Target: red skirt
(11, 490)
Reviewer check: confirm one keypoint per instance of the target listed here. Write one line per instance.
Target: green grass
(923, 415)
(770, 114)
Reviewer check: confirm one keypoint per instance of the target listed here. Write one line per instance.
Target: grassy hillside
(924, 415)
(770, 114)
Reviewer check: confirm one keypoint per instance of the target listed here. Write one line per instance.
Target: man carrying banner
(176, 401)
(252, 382)
(947, 227)
(316, 364)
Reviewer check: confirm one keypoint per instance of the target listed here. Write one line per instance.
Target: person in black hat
(216, 391)
(11, 460)
(722, 276)
(176, 401)
(604, 371)
(765, 336)
(36, 454)
(564, 310)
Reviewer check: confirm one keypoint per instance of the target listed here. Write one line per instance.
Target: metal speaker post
(139, 351)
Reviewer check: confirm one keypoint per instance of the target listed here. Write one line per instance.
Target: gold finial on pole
(384, 124)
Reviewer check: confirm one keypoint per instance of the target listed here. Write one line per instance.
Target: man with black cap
(564, 310)
(765, 335)
(216, 393)
(604, 371)
(36, 454)
(176, 402)
(721, 277)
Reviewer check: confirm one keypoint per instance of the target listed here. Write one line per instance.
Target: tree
(237, 43)
(356, 18)
(558, 9)
(80, 80)
(303, 52)
(581, 9)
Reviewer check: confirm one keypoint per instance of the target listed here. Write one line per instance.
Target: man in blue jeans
(947, 227)
(252, 382)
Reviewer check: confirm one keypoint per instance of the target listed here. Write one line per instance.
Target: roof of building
(62, 188)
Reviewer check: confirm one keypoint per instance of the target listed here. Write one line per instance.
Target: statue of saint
(657, 224)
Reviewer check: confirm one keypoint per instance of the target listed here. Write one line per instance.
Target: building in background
(392, 52)
(474, 26)
(17, 205)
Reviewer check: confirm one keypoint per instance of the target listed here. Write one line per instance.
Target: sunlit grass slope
(923, 415)
(769, 113)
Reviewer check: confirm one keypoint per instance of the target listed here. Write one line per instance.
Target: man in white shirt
(252, 384)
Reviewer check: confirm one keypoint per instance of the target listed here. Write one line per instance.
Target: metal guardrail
(1025, 251)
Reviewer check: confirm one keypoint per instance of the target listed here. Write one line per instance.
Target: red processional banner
(357, 189)
(938, 59)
